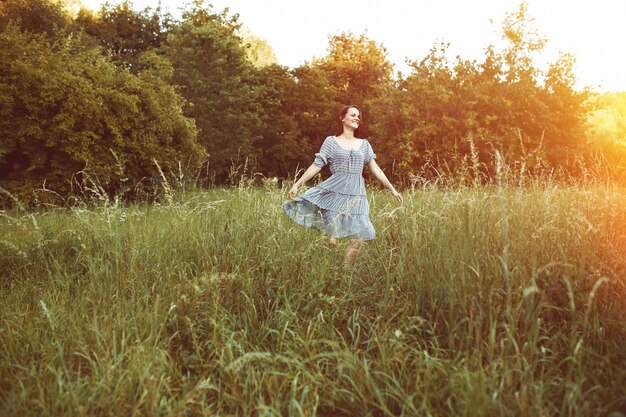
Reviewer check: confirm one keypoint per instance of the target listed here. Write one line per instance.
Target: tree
(35, 16)
(125, 32)
(258, 50)
(568, 109)
(607, 122)
(282, 147)
(217, 81)
(446, 112)
(315, 108)
(67, 110)
(606, 129)
(357, 67)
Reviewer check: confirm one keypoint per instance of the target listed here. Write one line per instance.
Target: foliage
(258, 51)
(122, 75)
(359, 71)
(35, 16)
(301, 107)
(445, 113)
(282, 147)
(217, 82)
(356, 66)
(606, 128)
(608, 120)
(68, 110)
(125, 32)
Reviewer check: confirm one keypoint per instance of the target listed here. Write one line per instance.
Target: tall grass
(480, 301)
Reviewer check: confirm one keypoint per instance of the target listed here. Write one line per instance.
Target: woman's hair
(344, 111)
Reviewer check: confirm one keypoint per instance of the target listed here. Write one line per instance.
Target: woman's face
(352, 118)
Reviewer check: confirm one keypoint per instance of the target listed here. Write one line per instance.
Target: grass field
(470, 302)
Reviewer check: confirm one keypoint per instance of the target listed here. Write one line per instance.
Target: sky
(593, 31)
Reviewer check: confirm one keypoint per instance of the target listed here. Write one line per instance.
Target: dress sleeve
(369, 153)
(322, 157)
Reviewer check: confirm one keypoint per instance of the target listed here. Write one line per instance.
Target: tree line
(125, 98)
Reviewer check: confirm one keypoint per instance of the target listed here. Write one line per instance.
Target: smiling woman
(338, 207)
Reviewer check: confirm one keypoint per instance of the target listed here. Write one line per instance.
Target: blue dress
(338, 207)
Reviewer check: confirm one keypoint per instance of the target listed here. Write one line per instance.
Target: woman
(338, 206)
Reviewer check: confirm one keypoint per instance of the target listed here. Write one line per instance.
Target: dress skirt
(335, 214)
(338, 207)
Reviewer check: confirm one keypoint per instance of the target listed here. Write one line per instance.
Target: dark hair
(344, 111)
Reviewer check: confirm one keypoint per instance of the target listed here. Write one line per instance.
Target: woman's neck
(348, 134)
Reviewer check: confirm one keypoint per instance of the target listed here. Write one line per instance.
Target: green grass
(470, 302)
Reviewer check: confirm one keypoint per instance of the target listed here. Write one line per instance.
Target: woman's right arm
(311, 171)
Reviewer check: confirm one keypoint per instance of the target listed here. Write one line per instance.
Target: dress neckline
(356, 149)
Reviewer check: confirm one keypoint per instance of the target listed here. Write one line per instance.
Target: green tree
(35, 16)
(258, 50)
(315, 108)
(423, 117)
(357, 66)
(359, 71)
(282, 148)
(446, 113)
(125, 32)
(68, 110)
(217, 80)
(568, 110)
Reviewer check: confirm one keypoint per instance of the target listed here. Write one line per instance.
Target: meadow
(471, 301)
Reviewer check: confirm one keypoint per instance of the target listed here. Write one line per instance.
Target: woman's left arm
(378, 173)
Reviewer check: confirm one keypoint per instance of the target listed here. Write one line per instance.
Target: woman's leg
(353, 252)
(332, 242)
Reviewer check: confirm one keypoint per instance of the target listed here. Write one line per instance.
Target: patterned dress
(338, 207)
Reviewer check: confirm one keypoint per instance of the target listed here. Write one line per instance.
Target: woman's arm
(378, 173)
(311, 171)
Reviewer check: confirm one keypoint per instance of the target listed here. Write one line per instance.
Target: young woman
(338, 206)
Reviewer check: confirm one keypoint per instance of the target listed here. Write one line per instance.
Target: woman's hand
(397, 195)
(293, 192)
(310, 172)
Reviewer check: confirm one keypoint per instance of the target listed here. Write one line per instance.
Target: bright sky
(594, 31)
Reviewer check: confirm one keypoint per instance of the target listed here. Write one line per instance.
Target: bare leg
(353, 252)
(332, 242)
